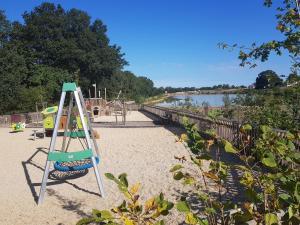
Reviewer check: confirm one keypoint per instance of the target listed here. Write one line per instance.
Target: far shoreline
(210, 92)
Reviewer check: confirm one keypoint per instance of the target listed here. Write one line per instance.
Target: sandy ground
(130, 116)
(145, 154)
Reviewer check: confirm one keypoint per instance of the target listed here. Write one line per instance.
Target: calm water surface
(196, 100)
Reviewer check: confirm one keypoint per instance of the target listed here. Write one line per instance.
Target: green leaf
(297, 192)
(178, 176)
(241, 218)
(182, 206)
(265, 129)
(285, 197)
(247, 179)
(246, 127)
(204, 156)
(241, 167)
(122, 188)
(96, 213)
(290, 136)
(197, 161)
(269, 160)
(161, 222)
(290, 212)
(190, 218)
(291, 146)
(203, 196)
(122, 207)
(281, 147)
(189, 181)
(210, 210)
(229, 147)
(160, 198)
(176, 167)
(271, 219)
(203, 221)
(105, 214)
(123, 179)
(110, 176)
(85, 221)
(253, 196)
(296, 155)
(170, 205)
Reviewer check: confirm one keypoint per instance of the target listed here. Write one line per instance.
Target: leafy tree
(12, 75)
(53, 46)
(68, 40)
(132, 87)
(5, 29)
(267, 79)
(288, 23)
(292, 78)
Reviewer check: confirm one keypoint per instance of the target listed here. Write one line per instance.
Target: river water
(214, 100)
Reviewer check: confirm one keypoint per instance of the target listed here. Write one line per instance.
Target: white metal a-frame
(75, 92)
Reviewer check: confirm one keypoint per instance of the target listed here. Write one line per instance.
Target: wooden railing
(228, 129)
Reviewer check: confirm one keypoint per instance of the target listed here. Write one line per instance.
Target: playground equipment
(96, 106)
(80, 160)
(118, 108)
(49, 115)
(18, 127)
(48, 119)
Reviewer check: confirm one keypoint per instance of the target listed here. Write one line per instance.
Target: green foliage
(288, 23)
(270, 175)
(194, 140)
(53, 46)
(271, 180)
(131, 211)
(293, 79)
(132, 87)
(214, 114)
(278, 108)
(5, 29)
(215, 210)
(267, 79)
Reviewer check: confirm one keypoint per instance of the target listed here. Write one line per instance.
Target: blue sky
(174, 42)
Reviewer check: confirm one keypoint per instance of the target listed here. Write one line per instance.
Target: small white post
(105, 94)
(95, 85)
(99, 94)
(89, 93)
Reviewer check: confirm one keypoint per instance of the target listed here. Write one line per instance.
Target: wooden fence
(34, 119)
(224, 128)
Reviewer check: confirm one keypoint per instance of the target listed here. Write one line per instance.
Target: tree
(288, 23)
(292, 78)
(53, 46)
(68, 40)
(267, 79)
(5, 29)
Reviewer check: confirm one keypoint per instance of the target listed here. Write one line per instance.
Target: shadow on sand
(67, 204)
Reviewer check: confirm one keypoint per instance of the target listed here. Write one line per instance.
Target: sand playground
(145, 154)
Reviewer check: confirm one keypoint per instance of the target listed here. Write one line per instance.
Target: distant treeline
(215, 87)
(54, 45)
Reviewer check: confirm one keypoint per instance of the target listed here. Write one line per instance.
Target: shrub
(131, 211)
